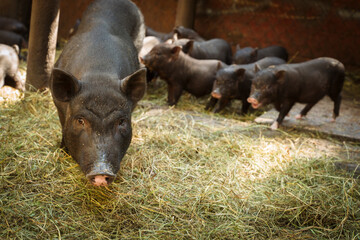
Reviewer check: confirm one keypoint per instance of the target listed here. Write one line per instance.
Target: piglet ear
(175, 37)
(240, 72)
(254, 53)
(16, 48)
(134, 86)
(188, 46)
(257, 68)
(219, 66)
(64, 86)
(280, 76)
(175, 50)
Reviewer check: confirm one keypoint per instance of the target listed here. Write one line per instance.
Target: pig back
(108, 40)
(312, 79)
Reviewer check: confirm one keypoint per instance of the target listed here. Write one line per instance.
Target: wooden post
(185, 13)
(42, 43)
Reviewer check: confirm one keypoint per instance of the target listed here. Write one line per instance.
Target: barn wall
(70, 11)
(307, 28)
(17, 9)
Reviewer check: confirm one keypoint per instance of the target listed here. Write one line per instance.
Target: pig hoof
(332, 120)
(275, 125)
(299, 117)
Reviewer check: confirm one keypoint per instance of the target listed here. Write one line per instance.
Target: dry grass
(188, 174)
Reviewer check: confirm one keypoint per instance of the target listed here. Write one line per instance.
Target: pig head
(96, 125)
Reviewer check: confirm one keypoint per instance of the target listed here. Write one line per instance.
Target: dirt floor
(347, 125)
(318, 120)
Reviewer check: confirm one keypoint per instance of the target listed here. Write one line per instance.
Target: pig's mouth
(216, 95)
(254, 103)
(143, 61)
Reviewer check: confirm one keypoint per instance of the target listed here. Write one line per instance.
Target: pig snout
(254, 103)
(101, 179)
(142, 60)
(216, 93)
(101, 174)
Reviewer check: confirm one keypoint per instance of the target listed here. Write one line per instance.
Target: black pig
(306, 82)
(162, 36)
(11, 38)
(211, 49)
(180, 71)
(12, 25)
(95, 85)
(183, 32)
(234, 82)
(250, 55)
(9, 63)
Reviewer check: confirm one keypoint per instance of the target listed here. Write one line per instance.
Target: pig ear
(64, 86)
(188, 46)
(254, 53)
(219, 66)
(280, 76)
(134, 86)
(176, 30)
(237, 47)
(175, 37)
(257, 68)
(16, 48)
(240, 72)
(175, 50)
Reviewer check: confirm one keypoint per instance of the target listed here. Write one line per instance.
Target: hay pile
(188, 174)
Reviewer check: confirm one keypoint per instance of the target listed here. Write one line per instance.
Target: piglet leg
(212, 102)
(285, 109)
(305, 110)
(174, 93)
(222, 104)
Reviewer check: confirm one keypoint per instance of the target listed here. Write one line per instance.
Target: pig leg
(174, 93)
(285, 109)
(19, 82)
(222, 104)
(305, 110)
(337, 102)
(245, 107)
(278, 108)
(212, 102)
(2, 80)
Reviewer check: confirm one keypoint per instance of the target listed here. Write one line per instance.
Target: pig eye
(122, 122)
(80, 121)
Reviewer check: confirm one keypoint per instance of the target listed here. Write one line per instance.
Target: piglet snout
(254, 103)
(141, 59)
(101, 180)
(216, 93)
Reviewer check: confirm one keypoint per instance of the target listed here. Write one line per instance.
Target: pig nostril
(101, 180)
(109, 179)
(92, 179)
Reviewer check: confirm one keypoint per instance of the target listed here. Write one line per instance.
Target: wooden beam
(185, 13)
(42, 43)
